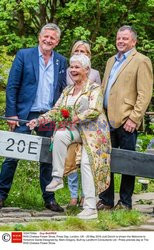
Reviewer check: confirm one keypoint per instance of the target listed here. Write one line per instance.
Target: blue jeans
(124, 140)
(73, 185)
(10, 164)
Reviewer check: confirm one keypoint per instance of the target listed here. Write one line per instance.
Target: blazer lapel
(108, 70)
(56, 69)
(35, 60)
(129, 58)
(107, 73)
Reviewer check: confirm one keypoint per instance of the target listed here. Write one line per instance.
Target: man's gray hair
(83, 59)
(51, 26)
(131, 29)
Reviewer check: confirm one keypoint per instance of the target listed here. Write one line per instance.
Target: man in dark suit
(36, 80)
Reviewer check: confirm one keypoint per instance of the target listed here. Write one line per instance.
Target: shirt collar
(40, 53)
(124, 56)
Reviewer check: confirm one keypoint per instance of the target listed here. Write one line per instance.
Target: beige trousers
(62, 139)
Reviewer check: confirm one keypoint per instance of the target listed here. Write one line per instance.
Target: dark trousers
(124, 140)
(9, 166)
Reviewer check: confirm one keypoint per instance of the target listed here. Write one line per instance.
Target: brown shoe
(1, 204)
(54, 206)
(101, 206)
(120, 205)
(73, 203)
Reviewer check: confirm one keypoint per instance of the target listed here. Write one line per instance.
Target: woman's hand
(75, 119)
(32, 124)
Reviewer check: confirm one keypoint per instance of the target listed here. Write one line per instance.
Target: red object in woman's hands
(65, 113)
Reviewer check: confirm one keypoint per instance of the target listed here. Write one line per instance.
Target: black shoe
(120, 205)
(54, 206)
(101, 206)
(1, 204)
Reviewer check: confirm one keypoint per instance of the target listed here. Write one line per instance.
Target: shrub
(5, 65)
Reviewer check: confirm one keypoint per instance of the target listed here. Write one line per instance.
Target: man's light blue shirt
(44, 95)
(115, 69)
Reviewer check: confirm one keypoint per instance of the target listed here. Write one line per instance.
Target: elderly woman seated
(89, 127)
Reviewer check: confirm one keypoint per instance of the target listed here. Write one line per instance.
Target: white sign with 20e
(20, 146)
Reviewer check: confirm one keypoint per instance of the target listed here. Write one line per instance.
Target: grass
(25, 191)
(106, 221)
(137, 188)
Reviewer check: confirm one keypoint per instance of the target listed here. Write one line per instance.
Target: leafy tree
(5, 64)
(96, 21)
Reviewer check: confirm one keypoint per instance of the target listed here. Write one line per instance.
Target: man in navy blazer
(36, 80)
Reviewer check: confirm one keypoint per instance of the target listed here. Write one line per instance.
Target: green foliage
(2, 108)
(96, 21)
(2, 98)
(77, 19)
(73, 210)
(138, 187)
(5, 65)
(143, 141)
(144, 202)
(18, 227)
(26, 178)
(123, 218)
(142, 144)
(106, 221)
(75, 224)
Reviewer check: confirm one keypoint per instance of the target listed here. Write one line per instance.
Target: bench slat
(132, 163)
(36, 148)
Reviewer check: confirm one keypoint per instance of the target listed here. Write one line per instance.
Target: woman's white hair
(82, 59)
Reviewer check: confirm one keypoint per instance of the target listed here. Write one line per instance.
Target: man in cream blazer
(127, 87)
